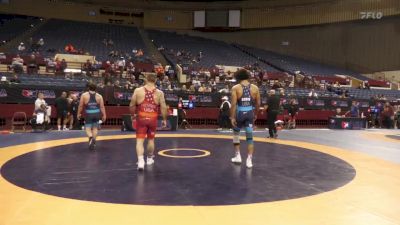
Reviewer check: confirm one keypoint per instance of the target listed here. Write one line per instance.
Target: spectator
(225, 90)
(338, 112)
(15, 79)
(224, 110)
(387, 116)
(74, 104)
(17, 64)
(354, 110)
(33, 67)
(21, 47)
(202, 88)
(88, 67)
(313, 94)
(121, 65)
(184, 88)
(40, 101)
(293, 112)
(39, 117)
(117, 85)
(61, 104)
(192, 88)
(40, 43)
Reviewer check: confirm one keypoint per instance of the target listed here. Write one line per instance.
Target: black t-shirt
(273, 103)
(293, 109)
(61, 104)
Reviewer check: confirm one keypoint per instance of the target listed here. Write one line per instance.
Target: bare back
(239, 90)
(140, 93)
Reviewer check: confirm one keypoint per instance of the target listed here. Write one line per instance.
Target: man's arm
(102, 109)
(132, 105)
(257, 102)
(233, 107)
(164, 110)
(80, 108)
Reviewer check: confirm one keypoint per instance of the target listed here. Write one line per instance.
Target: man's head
(338, 110)
(64, 94)
(40, 96)
(242, 74)
(271, 92)
(92, 87)
(354, 103)
(151, 78)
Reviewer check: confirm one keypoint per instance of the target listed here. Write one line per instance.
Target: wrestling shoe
(237, 159)
(140, 164)
(150, 161)
(249, 162)
(92, 143)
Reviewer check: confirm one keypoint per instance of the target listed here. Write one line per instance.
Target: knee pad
(236, 137)
(249, 135)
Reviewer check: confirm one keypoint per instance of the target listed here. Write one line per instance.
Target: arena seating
(11, 26)
(292, 64)
(213, 52)
(76, 33)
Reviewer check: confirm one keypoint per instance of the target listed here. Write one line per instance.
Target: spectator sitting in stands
(40, 43)
(33, 67)
(208, 89)
(69, 48)
(61, 66)
(21, 47)
(100, 85)
(50, 65)
(130, 69)
(202, 89)
(192, 88)
(110, 42)
(184, 88)
(3, 80)
(121, 65)
(139, 53)
(313, 94)
(338, 112)
(224, 90)
(117, 85)
(366, 85)
(17, 64)
(276, 85)
(15, 79)
(88, 68)
(196, 82)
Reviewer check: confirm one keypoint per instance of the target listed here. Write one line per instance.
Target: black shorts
(62, 114)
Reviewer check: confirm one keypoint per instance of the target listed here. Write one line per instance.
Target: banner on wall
(27, 95)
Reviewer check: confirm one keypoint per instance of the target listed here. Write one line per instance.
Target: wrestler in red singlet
(146, 122)
(146, 102)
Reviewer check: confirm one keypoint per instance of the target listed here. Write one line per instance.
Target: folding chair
(18, 119)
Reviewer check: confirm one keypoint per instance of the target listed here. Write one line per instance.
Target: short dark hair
(242, 74)
(92, 86)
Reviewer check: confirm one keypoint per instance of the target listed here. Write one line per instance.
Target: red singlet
(146, 122)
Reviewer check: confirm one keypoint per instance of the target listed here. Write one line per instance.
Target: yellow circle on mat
(376, 181)
(204, 153)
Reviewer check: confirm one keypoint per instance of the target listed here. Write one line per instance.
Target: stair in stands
(153, 51)
(8, 47)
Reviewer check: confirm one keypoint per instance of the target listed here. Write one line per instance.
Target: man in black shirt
(293, 111)
(272, 109)
(61, 104)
